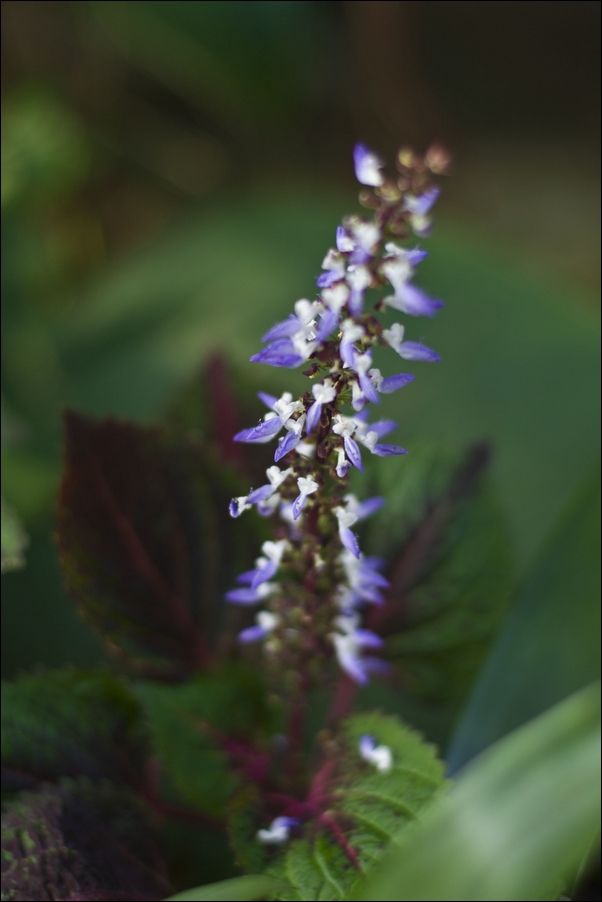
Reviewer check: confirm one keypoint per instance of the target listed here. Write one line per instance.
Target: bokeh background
(173, 173)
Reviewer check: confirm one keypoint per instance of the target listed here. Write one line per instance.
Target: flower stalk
(313, 582)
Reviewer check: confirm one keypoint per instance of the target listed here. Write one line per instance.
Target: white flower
(285, 407)
(367, 234)
(344, 426)
(335, 297)
(359, 278)
(267, 621)
(295, 426)
(274, 550)
(378, 755)
(324, 392)
(346, 518)
(277, 476)
(306, 449)
(278, 831)
(369, 440)
(307, 485)
(398, 271)
(307, 311)
(394, 336)
(376, 378)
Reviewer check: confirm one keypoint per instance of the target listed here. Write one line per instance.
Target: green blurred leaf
(238, 889)
(549, 646)
(70, 723)
(80, 841)
(450, 568)
(14, 539)
(147, 545)
(519, 820)
(44, 148)
(189, 724)
(366, 806)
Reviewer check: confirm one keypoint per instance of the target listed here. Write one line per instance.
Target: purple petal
(327, 323)
(260, 433)
(393, 383)
(286, 444)
(364, 173)
(360, 256)
(420, 206)
(344, 241)
(246, 578)
(368, 389)
(252, 634)
(264, 573)
(261, 494)
(348, 353)
(382, 427)
(367, 745)
(328, 278)
(372, 594)
(298, 505)
(242, 596)
(268, 400)
(233, 508)
(354, 667)
(413, 350)
(353, 452)
(279, 353)
(377, 666)
(342, 469)
(415, 302)
(388, 450)
(368, 639)
(349, 541)
(313, 417)
(284, 329)
(355, 302)
(369, 507)
(415, 256)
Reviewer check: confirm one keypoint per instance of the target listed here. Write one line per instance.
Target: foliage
(14, 539)
(79, 840)
(70, 723)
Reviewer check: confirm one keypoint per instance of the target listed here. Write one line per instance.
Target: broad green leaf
(519, 820)
(238, 889)
(199, 728)
(549, 646)
(70, 723)
(365, 806)
(14, 539)
(146, 542)
(80, 840)
(450, 568)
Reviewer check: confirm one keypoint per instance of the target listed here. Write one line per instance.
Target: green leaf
(238, 889)
(365, 809)
(518, 821)
(146, 542)
(450, 567)
(70, 723)
(14, 539)
(195, 726)
(80, 841)
(549, 646)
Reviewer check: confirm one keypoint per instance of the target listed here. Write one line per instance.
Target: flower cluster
(313, 579)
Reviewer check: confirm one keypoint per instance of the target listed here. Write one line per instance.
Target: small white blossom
(378, 755)
(278, 831)
(307, 485)
(394, 336)
(324, 392)
(336, 297)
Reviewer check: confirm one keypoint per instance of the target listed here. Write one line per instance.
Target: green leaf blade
(518, 821)
(69, 723)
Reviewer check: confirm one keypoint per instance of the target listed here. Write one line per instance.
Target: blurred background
(173, 173)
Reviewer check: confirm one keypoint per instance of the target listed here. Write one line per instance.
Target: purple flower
(266, 622)
(367, 166)
(279, 353)
(307, 486)
(250, 596)
(324, 393)
(409, 350)
(413, 301)
(420, 206)
(261, 433)
(388, 450)
(393, 383)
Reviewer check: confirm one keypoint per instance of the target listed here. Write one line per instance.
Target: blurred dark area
(173, 173)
